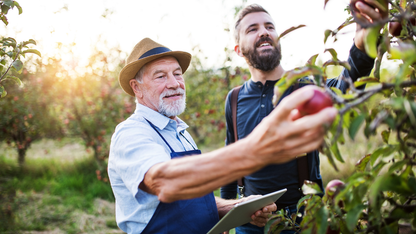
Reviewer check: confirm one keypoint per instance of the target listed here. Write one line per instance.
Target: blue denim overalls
(196, 215)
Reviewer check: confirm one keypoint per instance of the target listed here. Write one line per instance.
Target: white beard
(174, 108)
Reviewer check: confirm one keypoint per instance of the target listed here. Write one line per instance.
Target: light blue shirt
(135, 148)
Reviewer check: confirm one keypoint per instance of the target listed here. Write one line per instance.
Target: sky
(177, 24)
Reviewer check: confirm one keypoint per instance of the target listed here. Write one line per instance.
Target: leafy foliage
(93, 104)
(11, 52)
(30, 114)
(380, 197)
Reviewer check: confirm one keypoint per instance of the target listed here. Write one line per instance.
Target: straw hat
(144, 52)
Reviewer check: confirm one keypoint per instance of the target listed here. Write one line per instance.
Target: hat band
(157, 50)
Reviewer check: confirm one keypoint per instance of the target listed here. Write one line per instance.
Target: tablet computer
(241, 213)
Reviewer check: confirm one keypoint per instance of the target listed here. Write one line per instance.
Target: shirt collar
(157, 119)
(259, 86)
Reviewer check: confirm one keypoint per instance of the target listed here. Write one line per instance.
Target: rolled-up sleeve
(132, 158)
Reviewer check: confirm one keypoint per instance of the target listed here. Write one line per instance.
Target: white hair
(139, 75)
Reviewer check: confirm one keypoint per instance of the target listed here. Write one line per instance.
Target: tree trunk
(22, 154)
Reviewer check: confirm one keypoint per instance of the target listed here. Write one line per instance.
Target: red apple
(319, 101)
(396, 27)
(333, 187)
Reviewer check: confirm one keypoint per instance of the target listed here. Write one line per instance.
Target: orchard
(380, 196)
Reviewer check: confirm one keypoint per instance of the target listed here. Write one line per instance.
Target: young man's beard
(266, 62)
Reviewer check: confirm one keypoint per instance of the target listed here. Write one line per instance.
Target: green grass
(51, 192)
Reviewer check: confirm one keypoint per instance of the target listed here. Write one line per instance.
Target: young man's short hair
(245, 11)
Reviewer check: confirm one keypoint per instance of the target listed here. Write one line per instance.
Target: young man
(160, 183)
(256, 42)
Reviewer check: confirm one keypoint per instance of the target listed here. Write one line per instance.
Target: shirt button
(262, 105)
(264, 95)
(259, 86)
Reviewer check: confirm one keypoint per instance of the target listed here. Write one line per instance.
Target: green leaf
(366, 80)
(5, 9)
(389, 182)
(4, 19)
(348, 96)
(9, 3)
(327, 34)
(362, 163)
(385, 135)
(16, 4)
(378, 167)
(322, 213)
(11, 39)
(337, 62)
(18, 65)
(355, 125)
(370, 40)
(330, 156)
(290, 77)
(335, 151)
(312, 59)
(310, 187)
(30, 41)
(301, 202)
(397, 166)
(409, 112)
(385, 150)
(272, 226)
(353, 215)
(10, 54)
(15, 79)
(333, 53)
(291, 29)
(33, 51)
(336, 91)
(3, 92)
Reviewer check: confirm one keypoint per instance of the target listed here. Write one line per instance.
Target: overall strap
(234, 99)
(183, 135)
(153, 126)
(302, 161)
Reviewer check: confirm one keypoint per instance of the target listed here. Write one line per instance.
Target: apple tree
(380, 196)
(30, 113)
(11, 51)
(93, 103)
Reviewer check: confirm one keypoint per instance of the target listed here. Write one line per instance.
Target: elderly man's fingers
(291, 102)
(315, 122)
(325, 116)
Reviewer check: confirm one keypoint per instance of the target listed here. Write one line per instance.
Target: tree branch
(17, 55)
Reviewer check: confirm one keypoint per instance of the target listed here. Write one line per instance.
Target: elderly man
(256, 42)
(160, 180)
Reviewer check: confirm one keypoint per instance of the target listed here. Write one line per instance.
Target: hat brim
(131, 69)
